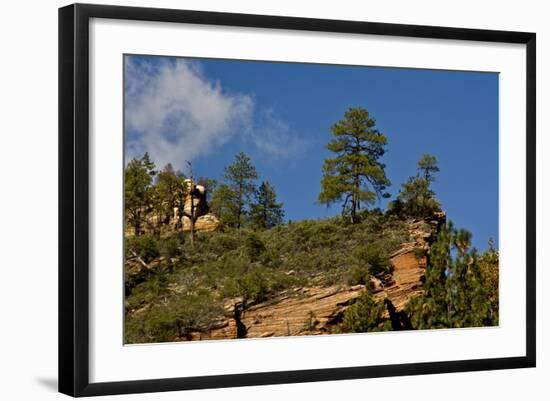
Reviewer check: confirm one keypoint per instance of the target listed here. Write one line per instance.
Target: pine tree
(355, 176)
(489, 267)
(455, 294)
(138, 177)
(165, 195)
(240, 187)
(427, 167)
(416, 198)
(266, 212)
(224, 205)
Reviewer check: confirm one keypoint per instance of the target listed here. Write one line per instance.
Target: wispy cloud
(174, 112)
(273, 136)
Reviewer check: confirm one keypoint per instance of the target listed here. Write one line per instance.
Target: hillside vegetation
(186, 286)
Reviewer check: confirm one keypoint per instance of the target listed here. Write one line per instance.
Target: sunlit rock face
(206, 222)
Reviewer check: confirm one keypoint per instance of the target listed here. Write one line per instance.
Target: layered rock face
(315, 310)
(409, 262)
(300, 311)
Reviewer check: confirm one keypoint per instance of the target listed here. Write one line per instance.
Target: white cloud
(175, 113)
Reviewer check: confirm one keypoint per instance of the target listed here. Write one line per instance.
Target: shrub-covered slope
(173, 288)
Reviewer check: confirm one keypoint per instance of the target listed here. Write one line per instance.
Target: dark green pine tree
(455, 294)
(224, 204)
(266, 212)
(355, 176)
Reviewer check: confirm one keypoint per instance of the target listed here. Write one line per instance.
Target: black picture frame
(74, 198)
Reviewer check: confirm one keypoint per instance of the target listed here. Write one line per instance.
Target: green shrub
(254, 247)
(174, 319)
(160, 325)
(253, 286)
(145, 246)
(374, 257)
(154, 284)
(419, 253)
(170, 247)
(359, 274)
(196, 311)
(364, 315)
(221, 242)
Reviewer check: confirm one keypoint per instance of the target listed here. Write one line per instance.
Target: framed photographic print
(250, 199)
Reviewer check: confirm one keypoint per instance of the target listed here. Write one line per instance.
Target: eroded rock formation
(194, 205)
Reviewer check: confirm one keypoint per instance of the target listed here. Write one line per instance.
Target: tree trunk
(192, 217)
(353, 208)
(192, 227)
(239, 213)
(137, 225)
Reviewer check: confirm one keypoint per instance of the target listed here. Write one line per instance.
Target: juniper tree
(355, 176)
(266, 212)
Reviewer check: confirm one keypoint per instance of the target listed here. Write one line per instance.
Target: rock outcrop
(194, 205)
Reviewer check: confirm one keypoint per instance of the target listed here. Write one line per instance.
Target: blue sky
(280, 114)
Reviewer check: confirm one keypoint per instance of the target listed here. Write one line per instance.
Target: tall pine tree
(356, 176)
